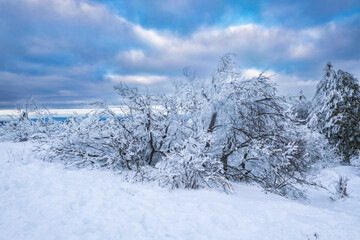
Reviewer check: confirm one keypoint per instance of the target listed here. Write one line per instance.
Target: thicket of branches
(208, 134)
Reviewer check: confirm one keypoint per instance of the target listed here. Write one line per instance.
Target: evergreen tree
(336, 111)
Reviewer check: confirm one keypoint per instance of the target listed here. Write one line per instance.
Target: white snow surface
(42, 200)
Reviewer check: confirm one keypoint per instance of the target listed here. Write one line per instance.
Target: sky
(67, 53)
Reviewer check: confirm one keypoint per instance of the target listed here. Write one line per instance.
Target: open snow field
(40, 200)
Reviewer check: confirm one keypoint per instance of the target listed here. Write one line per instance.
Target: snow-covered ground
(40, 200)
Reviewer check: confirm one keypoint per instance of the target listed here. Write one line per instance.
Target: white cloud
(250, 73)
(146, 80)
(302, 51)
(254, 43)
(133, 56)
(71, 8)
(253, 72)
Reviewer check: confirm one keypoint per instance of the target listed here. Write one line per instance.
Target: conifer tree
(336, 111)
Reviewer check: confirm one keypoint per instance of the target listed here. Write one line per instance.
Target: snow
(42, 200)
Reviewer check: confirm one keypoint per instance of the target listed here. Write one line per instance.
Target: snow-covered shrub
(355, 161)
(192, 167)
(151, 121)
(256, 136)
(341, 188)
(92, 141)
(29, 123)
(19, 129)
(285, 164)
(318, 151)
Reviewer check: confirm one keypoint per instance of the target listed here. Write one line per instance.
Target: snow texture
(42, 200)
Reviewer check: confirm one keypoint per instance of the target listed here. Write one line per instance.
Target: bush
(341, 188)
(192, 167)
(30, 122)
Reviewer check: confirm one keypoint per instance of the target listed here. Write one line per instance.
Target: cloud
(286, 83)
(302, 51)
(300, 14)
(136, 79)
(182, 16)
(64, 50)
(51, 90)
(253, 72)
(256, 46)
(133, 56)
(185, 17)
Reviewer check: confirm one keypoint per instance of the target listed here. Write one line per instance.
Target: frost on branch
(192, 167)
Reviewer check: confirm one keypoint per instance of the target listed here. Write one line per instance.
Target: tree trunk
(211, 126)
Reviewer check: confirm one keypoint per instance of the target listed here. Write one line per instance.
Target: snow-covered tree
(254, 133)
(336, 111)
(300, 107)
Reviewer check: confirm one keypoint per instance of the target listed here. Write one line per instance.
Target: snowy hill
(42, 200)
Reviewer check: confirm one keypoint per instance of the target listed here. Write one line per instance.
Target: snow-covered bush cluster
(208, 134)
(30, 123)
